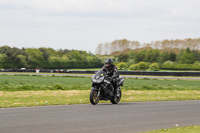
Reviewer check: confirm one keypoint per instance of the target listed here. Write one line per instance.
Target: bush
(133, 67)
(180, 66)
(154, 67)
(142, 66)
(197, 63)
(168, 62)
(122, 66)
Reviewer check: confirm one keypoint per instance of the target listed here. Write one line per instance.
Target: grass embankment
(188, 129)
(18, 91)
(20, 83)
(61, 97)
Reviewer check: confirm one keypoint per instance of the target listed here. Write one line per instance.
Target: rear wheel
(117, 99)
(94, 99)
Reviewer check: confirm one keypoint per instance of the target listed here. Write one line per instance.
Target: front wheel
(94, 99)
(116, 100)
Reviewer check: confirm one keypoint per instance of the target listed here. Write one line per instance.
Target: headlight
(97, 80)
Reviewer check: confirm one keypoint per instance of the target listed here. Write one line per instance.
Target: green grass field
(188, 129)
(63, 97)
(19, 83)
(18, 91)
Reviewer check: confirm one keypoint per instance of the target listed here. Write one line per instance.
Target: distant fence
(150, 73)
(145, 73)
(160, 73)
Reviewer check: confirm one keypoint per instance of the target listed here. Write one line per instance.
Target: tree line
(121, 46)
(47, 58)
(185, 56)
(186, 59)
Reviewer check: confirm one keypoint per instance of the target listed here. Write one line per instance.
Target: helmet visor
(107, 65)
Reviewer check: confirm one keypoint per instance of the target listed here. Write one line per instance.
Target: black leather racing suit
(113, 75)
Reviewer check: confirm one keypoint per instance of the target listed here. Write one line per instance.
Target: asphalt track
(101, 118)
(90, 75)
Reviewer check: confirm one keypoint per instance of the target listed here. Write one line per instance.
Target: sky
(83, 24)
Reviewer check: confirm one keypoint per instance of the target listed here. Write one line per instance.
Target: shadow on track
(102, 104)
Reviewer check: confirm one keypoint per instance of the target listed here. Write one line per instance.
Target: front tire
(93, 97)
(116, 100)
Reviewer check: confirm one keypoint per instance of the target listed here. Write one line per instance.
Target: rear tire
(93, 97)
(116, 101)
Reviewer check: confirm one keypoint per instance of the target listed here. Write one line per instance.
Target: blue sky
(83, 24)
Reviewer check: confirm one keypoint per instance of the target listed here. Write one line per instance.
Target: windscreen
(99, 74)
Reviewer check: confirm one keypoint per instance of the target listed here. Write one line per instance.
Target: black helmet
(108, 62)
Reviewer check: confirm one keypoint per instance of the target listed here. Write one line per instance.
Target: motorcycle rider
(112, 73)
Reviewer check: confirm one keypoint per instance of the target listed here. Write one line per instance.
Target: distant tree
(140, 56)
(197, 55)
(75, 55)
(178, 57)
(99, 49)
(10, 52)
(47, 58)
(164, 57)
(152, 56)
(47, 52)
(123, 57)
(55, 59)
(35, 58)
(172, 56)
(188, 57)
(2, 60)
(132, 55)
(22, 60)
(3, 57)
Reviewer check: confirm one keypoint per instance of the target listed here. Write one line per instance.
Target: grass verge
(21, 83)
(188, 129)
(62, 97)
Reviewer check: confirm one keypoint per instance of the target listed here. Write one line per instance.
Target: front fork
(98, 90)
(116, 92)
(98, 93)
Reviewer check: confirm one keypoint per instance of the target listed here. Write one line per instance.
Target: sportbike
(103, 89)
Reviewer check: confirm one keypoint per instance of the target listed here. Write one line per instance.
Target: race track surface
(101, 118)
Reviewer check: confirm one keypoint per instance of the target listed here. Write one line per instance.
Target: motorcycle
(103, 89)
